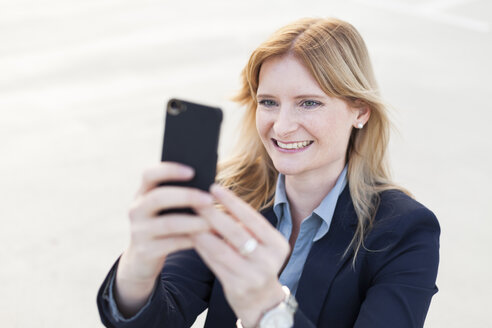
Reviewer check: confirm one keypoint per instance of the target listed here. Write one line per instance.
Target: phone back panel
(191, 137)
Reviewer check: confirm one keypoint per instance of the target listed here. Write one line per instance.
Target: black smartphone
(191, 137)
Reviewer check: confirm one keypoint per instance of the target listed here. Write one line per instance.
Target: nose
(285, 123)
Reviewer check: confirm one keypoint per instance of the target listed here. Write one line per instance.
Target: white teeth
(293, 145)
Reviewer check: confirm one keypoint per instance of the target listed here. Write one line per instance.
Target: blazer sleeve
(181, 293)
(301, 321)
(403, 273)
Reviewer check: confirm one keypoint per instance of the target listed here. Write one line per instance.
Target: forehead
(286, 74)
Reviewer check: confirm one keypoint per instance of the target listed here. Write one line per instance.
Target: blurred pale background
(82, 89)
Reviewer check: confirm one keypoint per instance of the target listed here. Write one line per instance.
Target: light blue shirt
(313, 228)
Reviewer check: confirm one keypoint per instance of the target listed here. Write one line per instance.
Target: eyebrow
(262, 95)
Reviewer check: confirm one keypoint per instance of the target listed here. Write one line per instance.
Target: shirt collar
(325, 209)
(327, 206)
(280, 196)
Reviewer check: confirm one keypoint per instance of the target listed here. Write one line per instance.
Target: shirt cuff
(114, 307)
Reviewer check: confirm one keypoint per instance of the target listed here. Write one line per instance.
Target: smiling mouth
(292, 145)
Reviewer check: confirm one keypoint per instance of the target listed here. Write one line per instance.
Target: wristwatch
(281, 316)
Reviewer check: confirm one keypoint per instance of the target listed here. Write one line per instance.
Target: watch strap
(288, 305)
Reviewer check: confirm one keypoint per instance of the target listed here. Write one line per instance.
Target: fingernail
(186, 170)
(215, 188)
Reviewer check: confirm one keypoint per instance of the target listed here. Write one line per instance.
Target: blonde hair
(335, 54)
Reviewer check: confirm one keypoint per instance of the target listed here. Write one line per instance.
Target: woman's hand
(155, 236)
(250, 281)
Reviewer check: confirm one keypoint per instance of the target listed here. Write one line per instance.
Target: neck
(305, 192)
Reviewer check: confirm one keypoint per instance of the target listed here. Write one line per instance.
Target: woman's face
(305, 132)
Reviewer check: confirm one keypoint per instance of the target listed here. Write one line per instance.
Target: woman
(308, 207)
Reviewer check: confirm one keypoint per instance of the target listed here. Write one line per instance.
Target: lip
(283, 150)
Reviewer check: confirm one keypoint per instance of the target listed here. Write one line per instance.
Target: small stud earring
(360, 126)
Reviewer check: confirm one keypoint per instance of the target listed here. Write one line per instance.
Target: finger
(242, 211)
(230, 229)
(219, 256)
(169, 197)
(164, 172)
(170, 225)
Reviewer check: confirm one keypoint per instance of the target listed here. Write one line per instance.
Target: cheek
(319, 128)
(261, 124)
(328, 130)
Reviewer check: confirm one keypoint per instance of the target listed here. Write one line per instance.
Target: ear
(362, 113)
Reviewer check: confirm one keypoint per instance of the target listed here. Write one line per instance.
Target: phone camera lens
(176, 107)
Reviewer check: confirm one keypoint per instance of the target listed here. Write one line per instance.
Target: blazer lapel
(325, 258)
(269, 214)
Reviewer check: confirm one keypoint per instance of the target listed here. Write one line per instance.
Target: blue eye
(310, 104)
(267, 103)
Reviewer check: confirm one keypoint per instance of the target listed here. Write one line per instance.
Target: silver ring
(248, 247)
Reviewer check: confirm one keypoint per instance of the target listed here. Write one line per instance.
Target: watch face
(278, 320)
(281, 316)
(283, 321)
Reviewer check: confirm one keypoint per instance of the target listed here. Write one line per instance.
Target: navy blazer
(391, 284)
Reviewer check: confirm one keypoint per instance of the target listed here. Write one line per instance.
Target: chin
(288, 169)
